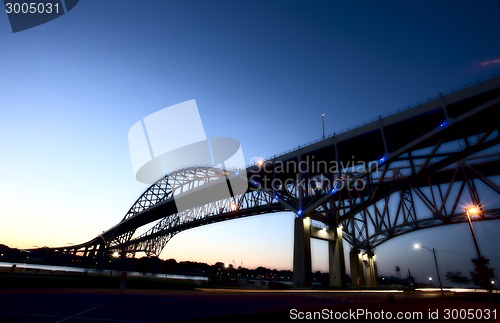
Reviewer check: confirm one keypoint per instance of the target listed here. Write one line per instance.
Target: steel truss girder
(154, 240)
(167, 187)
(439, 200)
(434, 159)
(163, 190)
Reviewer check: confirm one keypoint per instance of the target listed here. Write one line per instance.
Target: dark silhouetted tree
(457, 278)
(482, 274)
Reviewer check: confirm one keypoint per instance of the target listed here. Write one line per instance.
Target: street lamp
(470, 211)
(473, 210)
(417, 246)
(323, 122)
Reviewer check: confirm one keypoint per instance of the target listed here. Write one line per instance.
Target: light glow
(473, 210)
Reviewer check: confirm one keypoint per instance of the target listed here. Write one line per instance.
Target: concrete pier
(302, 267)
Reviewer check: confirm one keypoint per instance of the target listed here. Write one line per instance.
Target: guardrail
(410, 106)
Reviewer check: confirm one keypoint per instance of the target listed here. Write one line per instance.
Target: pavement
(231, 305)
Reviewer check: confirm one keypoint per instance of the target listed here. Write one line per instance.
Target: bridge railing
(410, 106)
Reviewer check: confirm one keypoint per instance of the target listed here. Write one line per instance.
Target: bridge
(408, 171)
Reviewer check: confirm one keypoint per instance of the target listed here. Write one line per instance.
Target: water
(49, 268)
(98, 271)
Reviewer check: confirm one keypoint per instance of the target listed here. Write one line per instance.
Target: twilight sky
(260, 71)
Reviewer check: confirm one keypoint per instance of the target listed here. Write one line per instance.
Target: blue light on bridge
(381, 160)
(300, 212)
(443, 124)
(333, 191)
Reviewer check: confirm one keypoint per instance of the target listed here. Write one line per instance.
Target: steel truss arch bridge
(408, 171)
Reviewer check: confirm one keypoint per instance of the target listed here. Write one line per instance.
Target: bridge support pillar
(302, 264)
(336, 262)
(370, 267)
(363, 269)
(302, 267)
(100, 254)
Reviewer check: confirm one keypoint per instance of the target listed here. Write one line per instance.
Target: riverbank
(22, 275)
(44, 279)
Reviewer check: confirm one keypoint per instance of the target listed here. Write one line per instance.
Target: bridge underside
(412, 170)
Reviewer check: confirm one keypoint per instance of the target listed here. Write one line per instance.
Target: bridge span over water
(415, 169)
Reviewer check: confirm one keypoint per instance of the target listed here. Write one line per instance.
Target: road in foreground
(218, 305)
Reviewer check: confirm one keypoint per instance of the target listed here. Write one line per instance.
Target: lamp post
(323, 122)
(473, 211)
(417, 246)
